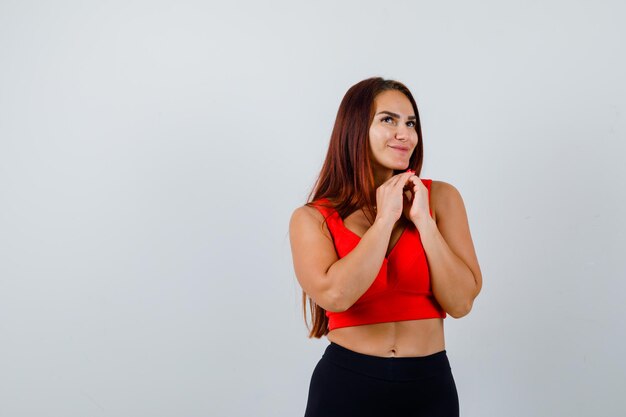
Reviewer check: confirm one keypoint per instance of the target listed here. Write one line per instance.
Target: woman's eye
(412, 124)
(386, 118)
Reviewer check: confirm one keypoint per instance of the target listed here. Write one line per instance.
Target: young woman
(383, 257)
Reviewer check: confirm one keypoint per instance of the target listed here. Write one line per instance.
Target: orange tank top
(400, 291)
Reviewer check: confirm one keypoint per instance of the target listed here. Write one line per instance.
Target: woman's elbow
(460, 311)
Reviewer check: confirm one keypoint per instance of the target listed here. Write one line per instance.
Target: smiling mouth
(399, 149)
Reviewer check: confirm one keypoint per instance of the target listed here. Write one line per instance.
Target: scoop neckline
(391, 252)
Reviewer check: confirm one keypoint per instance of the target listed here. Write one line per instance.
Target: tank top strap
(325, 207)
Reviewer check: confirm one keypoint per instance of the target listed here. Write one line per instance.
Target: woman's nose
(402, 132)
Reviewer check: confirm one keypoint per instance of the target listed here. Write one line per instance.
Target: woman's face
(393, 134)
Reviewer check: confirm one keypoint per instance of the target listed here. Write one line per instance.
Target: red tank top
(401, 290)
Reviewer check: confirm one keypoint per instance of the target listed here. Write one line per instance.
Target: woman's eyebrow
(396, 115)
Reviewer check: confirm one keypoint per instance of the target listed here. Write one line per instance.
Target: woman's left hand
(416, 206)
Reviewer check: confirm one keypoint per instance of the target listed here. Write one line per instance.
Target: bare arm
(335, 283)
(353, 274)
(456, 278)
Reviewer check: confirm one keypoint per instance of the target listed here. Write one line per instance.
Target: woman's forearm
(353, 274)
(452, 281)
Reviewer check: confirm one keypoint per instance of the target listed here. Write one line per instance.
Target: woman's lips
(399, 149)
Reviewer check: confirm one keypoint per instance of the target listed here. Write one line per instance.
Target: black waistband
(391, 368)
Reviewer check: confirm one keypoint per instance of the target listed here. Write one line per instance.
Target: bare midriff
(407, 338)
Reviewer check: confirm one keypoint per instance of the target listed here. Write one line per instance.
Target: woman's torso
(400, 338)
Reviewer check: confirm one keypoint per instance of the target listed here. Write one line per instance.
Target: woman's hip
(345, 383)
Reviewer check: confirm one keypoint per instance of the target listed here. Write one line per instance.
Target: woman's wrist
(424, 223)
(384, 223)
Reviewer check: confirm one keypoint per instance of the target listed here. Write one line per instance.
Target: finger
(393, 181)
(415, 180)
(408, 176)
(412, 178)
(403, 179)
(399, 179)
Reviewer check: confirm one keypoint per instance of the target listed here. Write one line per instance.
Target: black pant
(346, 383)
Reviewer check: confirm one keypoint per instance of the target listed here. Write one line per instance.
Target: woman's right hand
(390, 197)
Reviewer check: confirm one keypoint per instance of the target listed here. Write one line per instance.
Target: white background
(152, 152)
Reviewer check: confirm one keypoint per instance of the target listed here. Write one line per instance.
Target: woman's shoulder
(442, 194)
(313, 209)
(441, 189)
(308, 217)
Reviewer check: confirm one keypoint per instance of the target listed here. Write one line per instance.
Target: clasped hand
(403, 194)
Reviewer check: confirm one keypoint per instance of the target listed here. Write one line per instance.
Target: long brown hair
(346, 176)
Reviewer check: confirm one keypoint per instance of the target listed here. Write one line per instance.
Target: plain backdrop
(152, 152)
